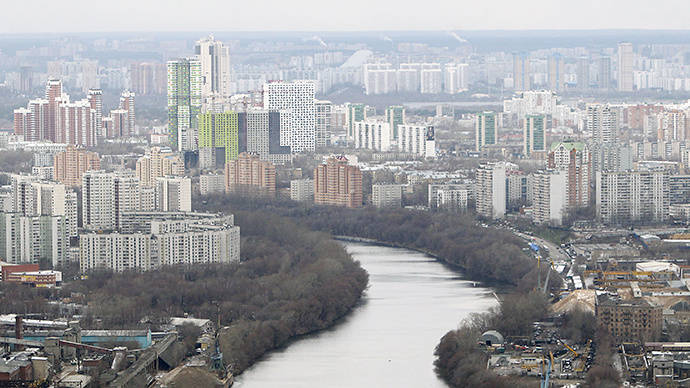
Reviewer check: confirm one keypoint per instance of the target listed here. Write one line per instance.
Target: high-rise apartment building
(521, 72)
(298, 97)
(94, 97)
(583, 73)
(158, 162)
(672, 125)
(372, 135)
(338, 183)
(106, 196)
(395, 116)
(604, 79)
(173, 194)
(26, 78)
(574, 158)
(148, 78)
(603, 122)
(76, 124)
(456, 78)
(170, 239)
(54, 96)
(71, 164)
(431, 78)
(491, 189)
(625, 67)
(323, 123)
(433, 200)
(127, 104)
(534, 134)
(260, 131)
(184, 102)
(556, 72)
(355, 113)
(215, 67)
(32, 239)
(218, 138)
(632, 196)
(417, 139)
(486, 130)
(22, 123)
(549, 200)
(302, 190)
(211, 183)
(31, 196)
(249, 174)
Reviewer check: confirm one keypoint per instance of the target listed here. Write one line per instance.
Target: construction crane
(546, 283)
(576, 354)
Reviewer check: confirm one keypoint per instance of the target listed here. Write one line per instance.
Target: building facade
(338, 183)
(634, 320)
(71, 164)
(249, 174)
(193, 239)
(184, 102)
(386, 195)
(632, 196)
(298, 98)
(534, 134)
(485, 129)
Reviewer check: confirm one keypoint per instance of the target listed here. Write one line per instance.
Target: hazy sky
(346, 15)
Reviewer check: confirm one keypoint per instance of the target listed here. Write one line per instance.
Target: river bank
(389, 337)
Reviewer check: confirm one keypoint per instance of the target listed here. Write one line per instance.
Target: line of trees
(291, 282)
(484, 254)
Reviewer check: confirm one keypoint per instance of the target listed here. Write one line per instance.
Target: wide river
(386, 341)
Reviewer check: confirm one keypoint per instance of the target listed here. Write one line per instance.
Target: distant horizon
(88, 16)
(498, 30)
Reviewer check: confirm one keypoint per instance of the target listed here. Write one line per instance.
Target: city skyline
(271, 15)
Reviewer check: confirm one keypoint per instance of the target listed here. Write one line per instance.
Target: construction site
(642, 299)
(44, 353)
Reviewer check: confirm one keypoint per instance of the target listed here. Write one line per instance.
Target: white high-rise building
(550, 199)
(30, 239)
(174, 194)
(491, 189)
(323, 123)
(106, 196)
(417, 139)
(455, 78)
(215, 67)
(298, 98)
(431, 78)
(625, 67)
(372, 135)
(633, 196)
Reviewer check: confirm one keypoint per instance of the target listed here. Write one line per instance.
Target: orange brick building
(338, 183)
(250, 173)
(73, 163)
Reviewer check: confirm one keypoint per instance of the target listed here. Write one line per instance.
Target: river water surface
(389, 339)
